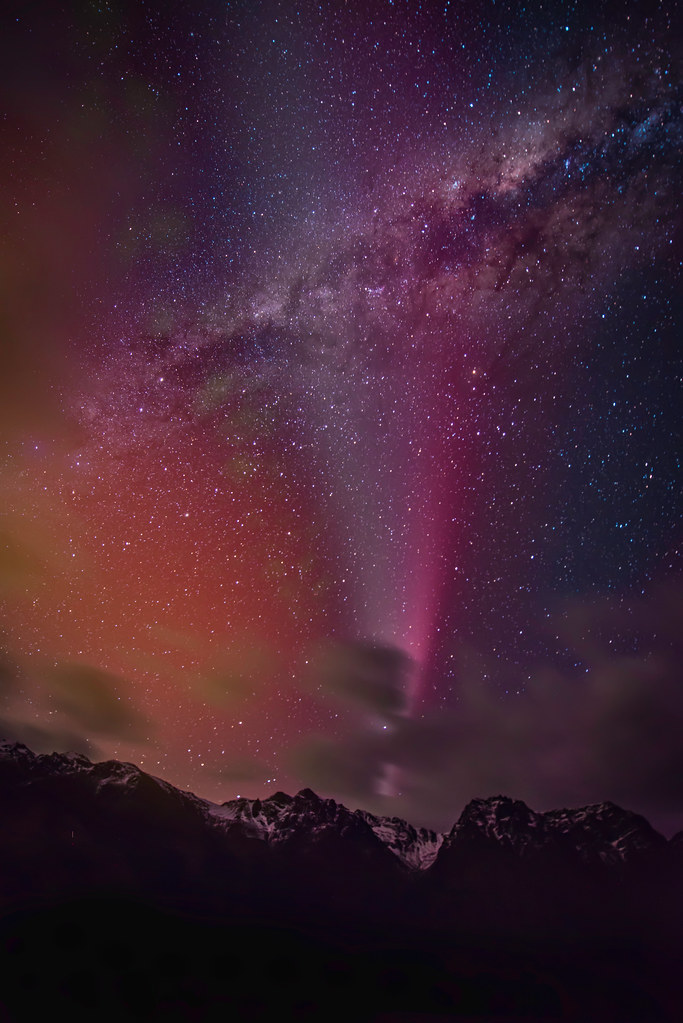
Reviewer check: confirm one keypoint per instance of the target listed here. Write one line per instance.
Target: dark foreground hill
(125, 898)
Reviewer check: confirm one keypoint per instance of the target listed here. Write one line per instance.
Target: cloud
(46, 740)
(611, 732)
(97, 701)
(232, 671)
(363, 673)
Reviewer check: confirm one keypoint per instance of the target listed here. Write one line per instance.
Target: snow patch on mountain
(417, 848)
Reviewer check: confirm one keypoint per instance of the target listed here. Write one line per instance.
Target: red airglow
(195, 583)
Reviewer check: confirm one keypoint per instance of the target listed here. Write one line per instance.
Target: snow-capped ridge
(600, 832)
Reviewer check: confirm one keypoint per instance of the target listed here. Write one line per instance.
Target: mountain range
(298, 906)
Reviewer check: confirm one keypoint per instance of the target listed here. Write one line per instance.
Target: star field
(341, 397)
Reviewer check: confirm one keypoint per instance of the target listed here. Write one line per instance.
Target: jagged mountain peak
(15, 751)
(507, 823)
(279, 799)
(498, 811)
(309, 796)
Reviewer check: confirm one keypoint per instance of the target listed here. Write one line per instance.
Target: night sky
(340, 398)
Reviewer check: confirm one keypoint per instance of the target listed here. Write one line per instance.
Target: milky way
(371, 384)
